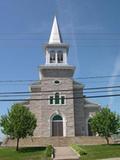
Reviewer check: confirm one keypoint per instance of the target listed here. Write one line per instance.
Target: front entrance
(57, 126)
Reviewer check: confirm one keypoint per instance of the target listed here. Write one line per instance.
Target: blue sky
(90, 27)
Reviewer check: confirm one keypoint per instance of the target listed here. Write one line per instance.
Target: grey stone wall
(74, 112)
(79, 113)
(66, 110)
(43, 110)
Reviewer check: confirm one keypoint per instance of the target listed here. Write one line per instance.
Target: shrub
(78, 149)
(49, 150)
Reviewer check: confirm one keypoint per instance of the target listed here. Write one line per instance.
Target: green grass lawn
(34, 153)
(95, 152)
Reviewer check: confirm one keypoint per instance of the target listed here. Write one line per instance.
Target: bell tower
(56, 51)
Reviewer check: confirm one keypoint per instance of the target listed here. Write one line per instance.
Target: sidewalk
(65, 153)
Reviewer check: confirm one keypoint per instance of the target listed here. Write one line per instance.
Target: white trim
(58, 120)
(87, 126)
(87, 119)
(56, 57)
(65, 57)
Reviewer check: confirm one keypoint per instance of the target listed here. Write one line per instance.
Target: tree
(105, 123)
(18, 123)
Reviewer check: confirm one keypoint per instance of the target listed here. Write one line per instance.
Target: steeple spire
(55, 36)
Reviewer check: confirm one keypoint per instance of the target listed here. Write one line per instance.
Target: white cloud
(112, 80)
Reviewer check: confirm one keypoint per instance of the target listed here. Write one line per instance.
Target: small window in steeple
(52, 57)
(60, 56)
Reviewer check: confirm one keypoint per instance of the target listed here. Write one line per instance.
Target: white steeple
(55, 36)
(56, 50)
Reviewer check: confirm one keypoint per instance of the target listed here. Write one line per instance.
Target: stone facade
(57, 77)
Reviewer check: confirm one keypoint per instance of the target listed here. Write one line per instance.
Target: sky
(90, 27)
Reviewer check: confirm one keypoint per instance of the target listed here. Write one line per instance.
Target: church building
(57, 100)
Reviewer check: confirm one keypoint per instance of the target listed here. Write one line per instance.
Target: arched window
(57, 99)
(52, 56)
(60, 57)
(57, 117)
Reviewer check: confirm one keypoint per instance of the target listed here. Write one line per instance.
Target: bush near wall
(49, 151)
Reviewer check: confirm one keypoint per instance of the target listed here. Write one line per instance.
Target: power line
(47, 33)
(81, 39)
(38, 94)
(85, 77)
(72, 45)
(104, 87)
(97, 96)
(58, 90)
(20, 81)
(97, 77)
(102, 91)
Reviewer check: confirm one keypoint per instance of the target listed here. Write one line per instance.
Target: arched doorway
(90, 132)
(57, 125)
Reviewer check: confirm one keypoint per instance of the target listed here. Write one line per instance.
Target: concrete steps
(65, 153)
(56, 141)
